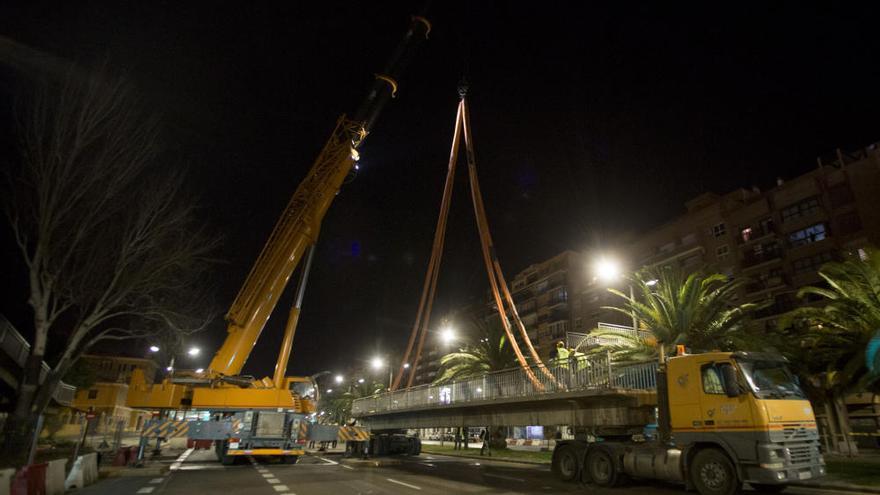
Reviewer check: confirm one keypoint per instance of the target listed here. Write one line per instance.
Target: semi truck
(723, 419)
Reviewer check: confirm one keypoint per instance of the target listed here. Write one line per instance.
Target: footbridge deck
(591, 392)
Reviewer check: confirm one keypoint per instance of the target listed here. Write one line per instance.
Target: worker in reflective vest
(561, 355)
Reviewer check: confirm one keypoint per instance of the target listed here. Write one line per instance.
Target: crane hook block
(391, 82)
(424, 21)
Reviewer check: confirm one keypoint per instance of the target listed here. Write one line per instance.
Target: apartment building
(542, 293)
(777, 238)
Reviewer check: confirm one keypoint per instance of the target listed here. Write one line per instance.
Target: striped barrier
(166, 428)
(353, 434)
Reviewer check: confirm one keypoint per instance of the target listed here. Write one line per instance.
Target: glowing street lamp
(154, 348)
(193, 351)
(360, 380)
(339, 379)
(607, 269)
(200, 370)
(406, 366)
(377, 363)
(447, 335)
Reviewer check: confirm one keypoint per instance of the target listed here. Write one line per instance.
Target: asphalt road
(198, 472)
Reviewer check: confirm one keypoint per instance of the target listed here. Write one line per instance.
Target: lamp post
(609, 271)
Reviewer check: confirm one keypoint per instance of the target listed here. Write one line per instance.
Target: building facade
(777, 239)
(543, 296)
(105, 399)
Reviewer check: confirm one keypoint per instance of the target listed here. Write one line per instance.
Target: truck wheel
(761, 488)
(227, 460)
(712, 473)
(601, 467)
(565, 464)
(289, 459)
(415, 446)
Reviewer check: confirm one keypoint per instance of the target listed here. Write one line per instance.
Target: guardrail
(17, 348)
(582, 374)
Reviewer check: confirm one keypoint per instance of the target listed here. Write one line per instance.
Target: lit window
(718, 230)
(809, 235)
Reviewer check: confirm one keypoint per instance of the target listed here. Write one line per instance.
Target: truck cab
(749, 405)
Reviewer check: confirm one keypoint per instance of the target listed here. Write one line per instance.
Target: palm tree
(487, 350)
(695, 309)
(338, 406)
(838, 333)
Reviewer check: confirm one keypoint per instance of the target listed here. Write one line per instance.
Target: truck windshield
(770, 379)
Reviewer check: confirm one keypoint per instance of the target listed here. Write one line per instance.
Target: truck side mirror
(731, 383)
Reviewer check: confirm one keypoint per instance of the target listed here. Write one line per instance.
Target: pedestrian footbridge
(593, 393)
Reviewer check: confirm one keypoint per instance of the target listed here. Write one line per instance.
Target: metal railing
(592, 373)
(582, 341)
(17, 348)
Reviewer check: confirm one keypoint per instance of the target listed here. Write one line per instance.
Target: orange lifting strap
(497, 283)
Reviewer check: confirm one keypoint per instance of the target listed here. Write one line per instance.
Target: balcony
(766, 284)
(750, 235)
(767, 255)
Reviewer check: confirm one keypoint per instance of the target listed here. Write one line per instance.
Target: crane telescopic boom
(298, 227)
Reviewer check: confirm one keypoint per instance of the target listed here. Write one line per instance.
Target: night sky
(589, 120)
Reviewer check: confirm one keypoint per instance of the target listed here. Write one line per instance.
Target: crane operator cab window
(305, 390)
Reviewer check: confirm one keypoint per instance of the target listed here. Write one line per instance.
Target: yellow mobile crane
(266, 415)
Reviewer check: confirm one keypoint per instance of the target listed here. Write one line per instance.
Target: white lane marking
(147, 489)
(332, 463)
(273, 481)
(200, 467)
(176, 464)
(347, 467)
(503, 477)
(429, 465)
(268, 475)
(414, 487)
(280, 488)
(156, 480)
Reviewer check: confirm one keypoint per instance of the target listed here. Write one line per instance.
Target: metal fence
(585, 340)
(585, 373)
(17, 348)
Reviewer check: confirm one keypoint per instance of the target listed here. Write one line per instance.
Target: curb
(375, 462)
(841, 487)
(490, 458)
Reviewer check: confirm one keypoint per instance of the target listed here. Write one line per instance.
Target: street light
(406, 366)
(154, 348)
(200, 370)
(447, 335)
(607, 269)
(360, 380)
(339, 379)
(377, 363)
(329, 390)
(193, 351)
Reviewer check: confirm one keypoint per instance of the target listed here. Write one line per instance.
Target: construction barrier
(125, 456)
(353, 434)
(84, 472)
(6, 476)
(30, 480)
(55, 477)
(166, 428)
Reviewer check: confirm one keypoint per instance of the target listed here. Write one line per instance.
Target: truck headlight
(780, 475)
